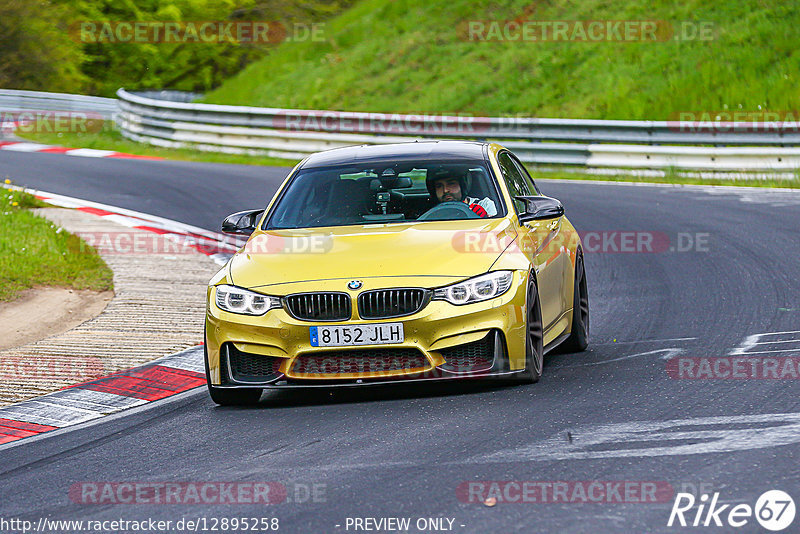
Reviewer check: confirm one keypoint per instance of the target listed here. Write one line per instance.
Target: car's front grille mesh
(470, 357)
(319, 306)
(246, 367)
(385, 303)
(359, 362)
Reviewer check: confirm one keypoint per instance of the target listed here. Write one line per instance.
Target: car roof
(417, 151)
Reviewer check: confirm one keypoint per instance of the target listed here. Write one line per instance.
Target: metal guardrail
(695, 158)
(172, 119)
(175, 121)
(16, 101)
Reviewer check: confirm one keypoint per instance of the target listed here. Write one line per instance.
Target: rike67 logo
(774, 510)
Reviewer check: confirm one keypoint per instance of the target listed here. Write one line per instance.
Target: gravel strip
(158, 309)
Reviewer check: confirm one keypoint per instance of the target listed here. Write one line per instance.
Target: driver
(447, 188)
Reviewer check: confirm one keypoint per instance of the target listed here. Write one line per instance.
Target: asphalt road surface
(705, 273)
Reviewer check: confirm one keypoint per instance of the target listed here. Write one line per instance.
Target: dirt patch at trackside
(45, 311)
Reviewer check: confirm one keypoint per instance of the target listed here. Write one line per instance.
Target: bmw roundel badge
(354, 284)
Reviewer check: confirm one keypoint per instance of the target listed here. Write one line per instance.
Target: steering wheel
(450, 210)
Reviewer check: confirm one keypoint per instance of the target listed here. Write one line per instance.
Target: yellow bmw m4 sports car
(434, 260)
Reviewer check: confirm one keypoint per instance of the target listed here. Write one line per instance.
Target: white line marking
(56, 202)
(766, 351)
(43, 413)
(779, 333)
(646, 341)
(68, 407)
(130, 222)
(111, 417)
(748, 343)
(100, 401)
(755, 339)
(26, 147)
(631, 439)
(89, 153)
(172, 225)
(188, 360)
(670, 352)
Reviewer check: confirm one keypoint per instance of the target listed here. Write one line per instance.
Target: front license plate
(362, 334)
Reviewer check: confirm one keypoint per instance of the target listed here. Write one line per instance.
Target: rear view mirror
(402, 182)
(537, 208)
(242, 222)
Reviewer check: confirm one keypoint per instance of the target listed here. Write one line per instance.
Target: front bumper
(274, 350)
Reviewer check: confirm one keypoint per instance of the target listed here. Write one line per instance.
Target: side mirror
(537, 208)
(242, 222)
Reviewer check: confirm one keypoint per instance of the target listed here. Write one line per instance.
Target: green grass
(412, 56)
(34, 252)
(108, 138)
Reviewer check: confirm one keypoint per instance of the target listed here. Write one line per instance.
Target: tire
(534, 349)
(578, 338)
(230, 397)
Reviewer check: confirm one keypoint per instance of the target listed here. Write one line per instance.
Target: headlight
(484, 287)
(237, 300)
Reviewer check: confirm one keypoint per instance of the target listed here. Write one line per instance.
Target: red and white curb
(7, 128)
(84, 402)
(154, 381)
(23, 146)
(217, 246)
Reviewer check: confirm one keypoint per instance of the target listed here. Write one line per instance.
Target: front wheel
(230, 397)
(534, 340)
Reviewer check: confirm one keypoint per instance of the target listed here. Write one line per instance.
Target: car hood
(452, 249)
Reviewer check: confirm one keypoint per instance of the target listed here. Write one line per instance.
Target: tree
(44, 48)
(35, 50)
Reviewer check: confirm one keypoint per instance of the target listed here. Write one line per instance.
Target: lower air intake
(252, 368)
(359, 362)
(470, 357)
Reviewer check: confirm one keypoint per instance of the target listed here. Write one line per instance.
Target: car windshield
(387, 192)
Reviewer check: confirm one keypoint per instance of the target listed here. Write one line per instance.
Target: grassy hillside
(413, 56)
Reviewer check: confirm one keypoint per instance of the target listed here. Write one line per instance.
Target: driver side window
(515, 182)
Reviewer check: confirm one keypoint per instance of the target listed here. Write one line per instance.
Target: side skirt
(560, 339)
